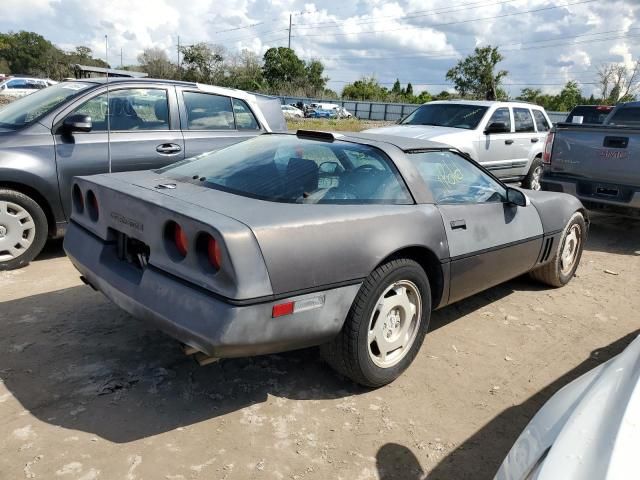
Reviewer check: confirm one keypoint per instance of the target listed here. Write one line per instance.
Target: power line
(410, 15)
(458, 22)
(501, 47)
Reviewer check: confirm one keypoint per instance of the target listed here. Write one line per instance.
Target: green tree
(409, 90)
(424, 97)
(202, 63)
(28, 53)
(443, 95)
(316, 81)
(397, 88)
(244, 71)
(283, 69)
(569, 97)
(367, 88)
(475, 76)
(529, 95)
(155, 62)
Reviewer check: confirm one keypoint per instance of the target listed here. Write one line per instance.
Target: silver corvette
(294, 240)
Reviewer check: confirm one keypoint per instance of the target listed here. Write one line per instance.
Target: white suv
(507, 138)
(20, 86)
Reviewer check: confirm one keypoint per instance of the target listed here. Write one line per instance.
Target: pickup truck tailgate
(610, 155)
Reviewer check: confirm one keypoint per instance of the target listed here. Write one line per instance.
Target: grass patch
(334, 125)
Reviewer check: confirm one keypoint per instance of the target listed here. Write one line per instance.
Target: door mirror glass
(77, 123)
(516, 197)
(496, 127)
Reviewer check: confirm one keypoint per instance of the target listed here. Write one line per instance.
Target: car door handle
(534, 140)
(508, 142)
(458, 225)
(168, 148)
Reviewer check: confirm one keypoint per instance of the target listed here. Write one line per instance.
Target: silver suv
(507, 138)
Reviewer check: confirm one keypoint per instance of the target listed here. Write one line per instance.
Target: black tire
(40, 227)
(552, 273)
(532, 180)
(348, 353)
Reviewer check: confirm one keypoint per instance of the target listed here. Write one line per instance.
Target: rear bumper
(198, 318)
(627, 202)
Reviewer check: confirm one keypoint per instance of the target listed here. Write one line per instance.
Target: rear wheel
(23, 229)
(533, 179)
(385, 327)
(564, 263)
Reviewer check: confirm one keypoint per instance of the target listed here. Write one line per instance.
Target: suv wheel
(23, 229)
(533, 179)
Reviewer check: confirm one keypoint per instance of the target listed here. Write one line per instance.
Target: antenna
(106, 56)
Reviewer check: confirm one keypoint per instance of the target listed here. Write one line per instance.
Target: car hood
(427, 132)
(589, 429)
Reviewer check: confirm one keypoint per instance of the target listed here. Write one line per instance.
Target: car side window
(245, 120)
(17, 84)
(541, 121)
(206, 111)
(501, 115)
(523, 120)
(129, 109)
(452, 179)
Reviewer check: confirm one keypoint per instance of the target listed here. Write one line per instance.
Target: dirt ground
(90, 393)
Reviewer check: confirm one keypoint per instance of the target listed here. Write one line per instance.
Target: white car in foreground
(590, 429)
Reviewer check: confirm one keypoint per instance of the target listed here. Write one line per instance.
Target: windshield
(285, 168)
(454, 115)
(28, 109)
(593, 115)
(626, 117)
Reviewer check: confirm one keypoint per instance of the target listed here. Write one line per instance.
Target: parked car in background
(80, 128)
(589, 429)
(591, 114)
(229, 252)
(291, 112)
(597, 163)
(321, 113)
(16, 87)
(506, 138)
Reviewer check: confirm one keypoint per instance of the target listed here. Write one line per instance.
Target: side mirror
(77, 123)
(517, 197)
(496, 127)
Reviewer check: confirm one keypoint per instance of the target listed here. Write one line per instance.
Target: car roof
(403, 143)
(200, 86)
(486, 103)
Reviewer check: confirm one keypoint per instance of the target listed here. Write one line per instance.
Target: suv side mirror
(496, 127)
(517, 197)
(77, 123)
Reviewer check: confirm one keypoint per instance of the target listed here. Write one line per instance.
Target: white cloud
(414, 40)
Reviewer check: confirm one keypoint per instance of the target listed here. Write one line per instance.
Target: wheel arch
(431, 265)
(37, 197)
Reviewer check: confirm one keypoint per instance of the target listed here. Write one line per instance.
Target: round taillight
(78, 200)
(92, 205)
(214, 253)
(209, 252)
(180, 240)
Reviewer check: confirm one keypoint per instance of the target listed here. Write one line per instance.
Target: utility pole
(121, 64)
(289, 30)
(179, 69)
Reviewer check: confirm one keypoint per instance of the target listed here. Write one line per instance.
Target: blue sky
(545, 43)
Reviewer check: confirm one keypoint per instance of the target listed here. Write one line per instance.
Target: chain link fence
(390, 112)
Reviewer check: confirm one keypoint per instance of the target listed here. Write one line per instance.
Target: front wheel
(23, 229)
(562, 267)
(533, 180)
(385, 326)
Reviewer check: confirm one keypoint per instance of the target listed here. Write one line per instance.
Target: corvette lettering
(130, 222)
